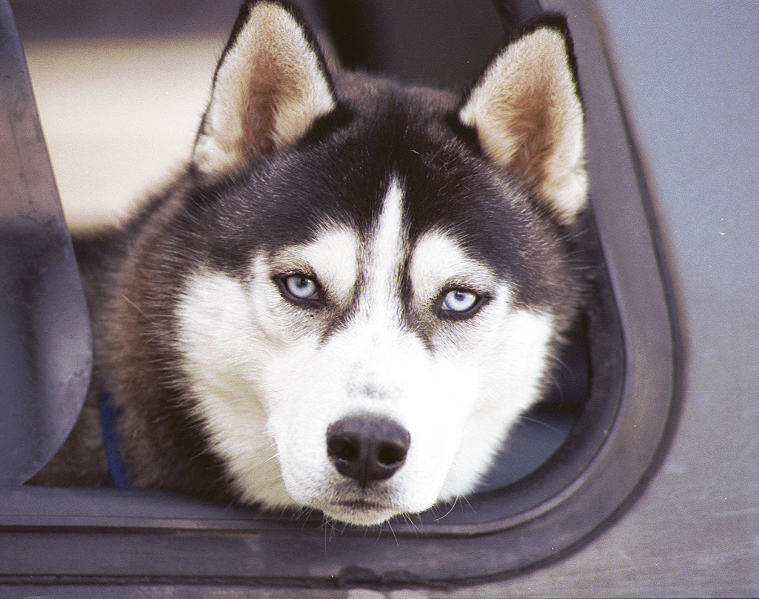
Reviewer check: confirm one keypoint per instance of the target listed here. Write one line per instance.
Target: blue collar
(109, 413)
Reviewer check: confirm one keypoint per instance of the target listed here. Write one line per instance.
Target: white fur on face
(504, 348)
(269, 383)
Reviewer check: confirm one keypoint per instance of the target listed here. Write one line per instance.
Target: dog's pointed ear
(270, 85)
(527, 113)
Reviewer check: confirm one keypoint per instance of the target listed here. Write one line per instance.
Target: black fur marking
(287, 198)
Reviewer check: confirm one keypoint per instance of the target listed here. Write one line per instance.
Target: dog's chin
(359, 512)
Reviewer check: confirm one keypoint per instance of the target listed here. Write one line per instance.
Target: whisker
(453, 505)
(541, 423)
(409, 518)
(392, 532)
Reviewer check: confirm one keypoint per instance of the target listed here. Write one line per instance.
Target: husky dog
(352, 290)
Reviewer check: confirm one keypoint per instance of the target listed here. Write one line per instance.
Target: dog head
(379, 273)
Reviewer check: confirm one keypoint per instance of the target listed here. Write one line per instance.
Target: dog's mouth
(361, 505)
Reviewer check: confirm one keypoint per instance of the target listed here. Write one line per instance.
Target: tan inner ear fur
(268, 91)
(529, 119)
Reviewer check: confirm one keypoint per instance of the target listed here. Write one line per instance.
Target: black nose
(367, 448)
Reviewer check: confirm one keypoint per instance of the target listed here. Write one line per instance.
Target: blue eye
(301, 287)
(459, 303)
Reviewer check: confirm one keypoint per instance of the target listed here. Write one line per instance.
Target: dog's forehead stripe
(385, 255)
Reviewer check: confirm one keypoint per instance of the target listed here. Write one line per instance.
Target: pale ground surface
(118, 115)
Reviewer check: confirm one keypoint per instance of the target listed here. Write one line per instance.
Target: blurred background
(120, 87)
